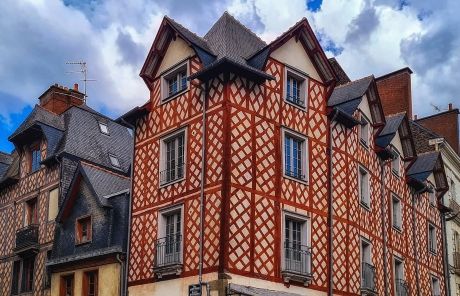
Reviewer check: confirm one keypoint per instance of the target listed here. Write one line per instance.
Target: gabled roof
(347, 98)
(10, 170)
(397, 123)
(230, 46)
(103, 184)
(5, 161)
(427, 164)
(422, 136)
(342, 77)
(39, 115)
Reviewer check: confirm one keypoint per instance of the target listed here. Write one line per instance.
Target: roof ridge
(354, 81)
(244, 26)
(289, 29)
(183, 27)
(426, 129)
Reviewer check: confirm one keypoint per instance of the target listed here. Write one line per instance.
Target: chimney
(75, 86)
(415, 117)
(58, 99)
(444, 124)
(395, 92)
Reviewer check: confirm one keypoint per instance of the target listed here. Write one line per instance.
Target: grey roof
(5, 161)
(422, 135)
(42, 116)
(251, 291)
(104, 183)
(189, 35)
(393, 122)
(342, 77)
(85, 256)
(350, 91)
(423, 166)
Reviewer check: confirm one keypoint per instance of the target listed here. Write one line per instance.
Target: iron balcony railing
(296, 100)
(168, 251)
(27, 236)
(368, 277)
(172, 174)
(297, 174)
(402, 288)
(297, 258)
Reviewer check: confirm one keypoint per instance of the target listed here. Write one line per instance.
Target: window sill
(82, 243)
(395, 173)
(289, 276)
(166, 184)
(365, 205)
(300, 180)
(397, 228)
(170, 269)
(364, 144)
(298, 106)
(173, 96)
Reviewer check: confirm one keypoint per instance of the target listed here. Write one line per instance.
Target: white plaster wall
(177, 51)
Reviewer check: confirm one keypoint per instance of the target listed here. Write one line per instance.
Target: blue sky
(37, 38)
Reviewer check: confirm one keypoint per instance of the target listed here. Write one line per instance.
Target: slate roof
(422, 136)
(423, 166)
(39, 115)
(251, 291)
(393, 122)
(5, 161)
(342, 77)
(350, 91)
(189, 35)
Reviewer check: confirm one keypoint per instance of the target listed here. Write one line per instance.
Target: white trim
(435, 243)
(365, 203)
(299, 75)
(164, 88)
(162, 159)
(305, 154)
(161, 227)
(305, 233)
(399, 226)
(369, 243)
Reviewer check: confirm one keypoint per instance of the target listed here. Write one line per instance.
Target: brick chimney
(444, 124)
(395, 92)
(58, 98)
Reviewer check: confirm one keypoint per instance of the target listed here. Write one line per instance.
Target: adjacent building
(261, 169)
(61, 139)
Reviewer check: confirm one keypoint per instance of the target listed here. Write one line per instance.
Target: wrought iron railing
(297, 258)
(368, 277)
(297, 174)
(168, 250)
(456, 263)
(172, 174)
(27, 236)
(296, 100)
(402, 289)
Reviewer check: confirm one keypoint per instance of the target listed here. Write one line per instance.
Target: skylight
(104, 128)
(114, 161)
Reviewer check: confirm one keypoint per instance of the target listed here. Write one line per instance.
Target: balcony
(297, 263)
(402, 289)
(168, 256)
(368, 279)
(27, 240)
(174, 173)
(456, 263)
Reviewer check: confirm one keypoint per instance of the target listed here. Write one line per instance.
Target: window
(435, 289)
(396, 163)
(400, 283)
(297, 256)
(432, 195)
(396, 212)
(173, 157)
(67, 285)
(453, 192)
(365, 251)
(53, 203)
(174, 82)
(169, 245)
(363, 178)
(36, 157)
(31, 217)
(90, 283)
(47, 280)
(367, 269)
(83, 230)
(23, 275)
(114, 161)
(432, 238)
(295, 155)
(364, 131)
(104, 128)
(296, 88)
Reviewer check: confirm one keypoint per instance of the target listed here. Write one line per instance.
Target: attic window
(174, 82)
(295, 86)
(104, 128)
(114, 161)
(83, 230)
(396, 163)
(364, 131)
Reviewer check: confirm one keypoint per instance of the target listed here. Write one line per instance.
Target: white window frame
(365, 202)
(369, 244)
(398, 223)
(306, 230)
(303, 79)
(432, 238)
(162, 214)
(432, 195)
(396, 163)
(364, 139)
(103, 128)
(162, 162)
(435, 286)
(401, 261)
(165, 96)
(304, 162)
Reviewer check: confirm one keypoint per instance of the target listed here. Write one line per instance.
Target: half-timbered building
(260, 169)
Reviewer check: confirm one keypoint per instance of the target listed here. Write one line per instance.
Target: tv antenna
(435, 107)
(84, 71)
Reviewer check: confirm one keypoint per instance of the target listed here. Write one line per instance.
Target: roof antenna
(435, 107)
(84, 71)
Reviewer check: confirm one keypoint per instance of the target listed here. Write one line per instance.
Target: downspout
(122, 272)
(384, 235)
(203, 170)
(124, 282)
(414, 237)
(330, 217)
(445, 255)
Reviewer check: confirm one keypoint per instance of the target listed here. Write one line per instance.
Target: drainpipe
(384, 235)
(124, 282)
(203, 170)
(414, 238)
(330, 217)
(122, 271)
(445, 255)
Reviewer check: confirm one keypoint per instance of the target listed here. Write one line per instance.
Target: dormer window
(396, 163)
(83, 230)
(104, 128)
(364, 131)
(295, 88)
(35, 158)
(114, 161)
(174, 82)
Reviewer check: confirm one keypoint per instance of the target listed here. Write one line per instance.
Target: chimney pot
(450, 106)
(415, 117)
(75, 86)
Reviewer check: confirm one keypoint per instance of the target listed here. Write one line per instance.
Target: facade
(303, 187)
(60, 132)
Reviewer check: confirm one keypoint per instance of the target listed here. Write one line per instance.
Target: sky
(38, 37)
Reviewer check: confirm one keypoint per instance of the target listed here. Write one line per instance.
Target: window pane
(183, 78)
(53, 202)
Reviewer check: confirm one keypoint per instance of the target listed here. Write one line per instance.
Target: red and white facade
(247, 195)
